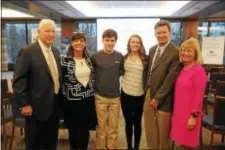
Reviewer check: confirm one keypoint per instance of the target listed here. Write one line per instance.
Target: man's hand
(191, 123)
(154, 103)
(26, 110)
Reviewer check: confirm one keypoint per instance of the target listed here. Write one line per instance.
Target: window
(16, 39)
(32, 27)
(211, 29)
(90, 31)
(19, 35)
(202, 30)
(217, 29)
(176, 33)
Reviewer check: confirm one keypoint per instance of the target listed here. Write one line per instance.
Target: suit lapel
(162, 57)
(41, 58)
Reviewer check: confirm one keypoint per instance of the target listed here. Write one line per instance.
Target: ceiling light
(90, 9)
(10, 13)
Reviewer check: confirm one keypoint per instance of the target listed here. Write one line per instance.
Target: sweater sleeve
(199, 85)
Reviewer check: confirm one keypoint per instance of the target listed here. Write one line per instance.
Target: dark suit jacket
(33, 84)
(163, 76)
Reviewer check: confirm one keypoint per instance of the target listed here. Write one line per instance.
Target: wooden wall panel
(191, 28)
(67, 28)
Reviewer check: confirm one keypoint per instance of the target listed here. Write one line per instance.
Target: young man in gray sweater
(108, 65)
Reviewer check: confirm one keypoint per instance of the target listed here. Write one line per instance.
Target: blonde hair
(193, 44)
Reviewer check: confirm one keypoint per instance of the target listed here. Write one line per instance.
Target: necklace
(79, 60)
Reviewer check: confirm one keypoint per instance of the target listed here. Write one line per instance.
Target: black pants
(132, 107)
(78, 137)
(41, 134)
(79, 116)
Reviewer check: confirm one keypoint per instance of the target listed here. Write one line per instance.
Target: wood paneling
(67, 28)
(191, 28)
(214, 19)
(32, 8)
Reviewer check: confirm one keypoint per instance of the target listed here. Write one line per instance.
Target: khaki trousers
(157, 126)
(108, 111)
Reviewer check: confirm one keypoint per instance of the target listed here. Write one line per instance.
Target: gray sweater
(108, 69)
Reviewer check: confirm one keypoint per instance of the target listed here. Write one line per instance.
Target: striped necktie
(153, 65)
(156, 59)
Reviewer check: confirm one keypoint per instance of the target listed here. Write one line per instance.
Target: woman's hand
(27, 110)
(191, 123)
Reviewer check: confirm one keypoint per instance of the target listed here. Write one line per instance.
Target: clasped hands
(153, 103)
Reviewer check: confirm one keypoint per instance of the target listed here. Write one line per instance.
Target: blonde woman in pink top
(189, 91)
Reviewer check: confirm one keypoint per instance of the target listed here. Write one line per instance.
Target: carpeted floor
(63, 142)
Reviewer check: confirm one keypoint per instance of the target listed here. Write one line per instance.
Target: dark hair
(163, 23)
(109, 33)
(75, 36)
(141, 52)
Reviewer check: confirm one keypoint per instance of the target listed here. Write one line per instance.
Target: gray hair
(46, 21)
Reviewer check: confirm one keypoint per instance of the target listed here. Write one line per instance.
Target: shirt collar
(43, 47)
(162, 48)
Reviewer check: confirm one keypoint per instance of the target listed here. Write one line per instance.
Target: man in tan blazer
(162, 73)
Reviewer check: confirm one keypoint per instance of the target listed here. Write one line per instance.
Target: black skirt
(80, 113)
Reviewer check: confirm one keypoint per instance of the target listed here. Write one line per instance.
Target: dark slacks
(132, 107)
(78, 137)
(41, 134)
(79, 117)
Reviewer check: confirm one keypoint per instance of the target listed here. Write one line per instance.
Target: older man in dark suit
(36, 87)
(162, 72)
